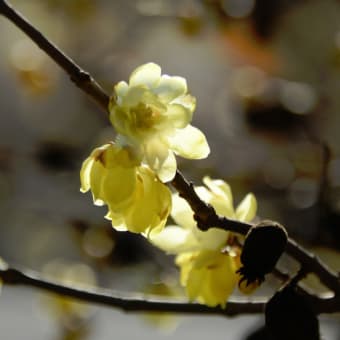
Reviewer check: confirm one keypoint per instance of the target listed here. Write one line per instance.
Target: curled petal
(246, 210)
(170, 88)
(172, 239)
(146, 75)
(179, 115)
(98, 173)
(190, 143)
(161, 160)
(120, 90)
(182, 213)
(85, 174)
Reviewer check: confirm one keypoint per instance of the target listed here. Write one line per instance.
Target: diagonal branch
(80, 77)
(204, 214)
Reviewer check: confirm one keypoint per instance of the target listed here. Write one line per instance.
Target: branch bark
(128, 302)
(205, 215)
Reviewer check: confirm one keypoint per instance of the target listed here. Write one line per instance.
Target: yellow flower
(207, 272)
(136, 199)
(153, 113)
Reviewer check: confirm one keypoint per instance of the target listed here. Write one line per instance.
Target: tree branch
(204, 214)
(80, 77)
(126, 302)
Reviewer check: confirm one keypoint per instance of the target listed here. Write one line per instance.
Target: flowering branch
(205, 216)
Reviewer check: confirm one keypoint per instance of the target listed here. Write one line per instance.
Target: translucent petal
(219, 187)
(121, 89)
(211, 239)
(168, 168)
(118, 186)
(170, 88)
(194, 283)
(97, 174)
(182, 213)
(172, 239)
(188, 101)
(85, 174)
(153, 207)
(190, 143)
(161, 160)
(133, 97)
(246, 210)
(178, 116)
(148, 74)
(184, 261)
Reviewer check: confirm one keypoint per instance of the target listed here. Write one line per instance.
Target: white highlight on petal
(146, 75)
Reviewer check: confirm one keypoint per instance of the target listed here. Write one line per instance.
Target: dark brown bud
(263, 246)
(289, 316)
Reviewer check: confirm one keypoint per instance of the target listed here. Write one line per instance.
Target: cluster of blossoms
(151, 115)
(207, 267)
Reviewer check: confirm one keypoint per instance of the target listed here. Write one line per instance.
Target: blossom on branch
(136, 199)
(152, 114)
(207, 267)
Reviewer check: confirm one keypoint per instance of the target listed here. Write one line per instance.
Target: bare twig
(204, 214)
(128, 302)
(80, 77)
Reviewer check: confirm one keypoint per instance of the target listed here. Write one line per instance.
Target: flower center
(145, 116)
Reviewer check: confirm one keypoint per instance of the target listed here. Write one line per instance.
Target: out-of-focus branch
(205, 215)
(80, 77)
(128, 302)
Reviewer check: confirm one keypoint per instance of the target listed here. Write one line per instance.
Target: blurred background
(266, 78)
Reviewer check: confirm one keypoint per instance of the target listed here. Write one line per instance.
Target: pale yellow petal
(85, 174)
(97, 174)
(190, 143)
(132, 98)
(172, 239)
(152, 208)
(182, 213)
(187, 100)
(167, 169)
(147, 75)
(219, 187)
(246, 210)
(161, 160)
(170, 88)
(178, 116)
(121, 89)
(211, 239)
(118, 186)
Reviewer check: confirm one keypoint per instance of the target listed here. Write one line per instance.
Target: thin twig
(128, 302)
(204, 214)
(80, 77)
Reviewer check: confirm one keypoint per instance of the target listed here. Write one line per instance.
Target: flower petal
(246, 210)
(161, 160)
(121, 89)
(97, 174)
(85, 174)
(118, 186)
(146, 75)
(182, 213)
(170, 88)
(190, 143)
(172, 239)
(178, 115)
(187, 100)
